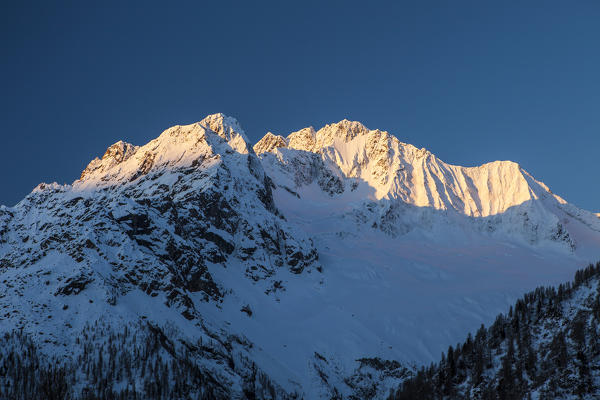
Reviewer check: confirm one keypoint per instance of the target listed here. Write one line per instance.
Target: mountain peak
(229, 129)
(270, 142)
(346, 125)
(396, 170)
(120, 151)
(304, 139)
(223, 125)
(345, 130)
(180, 145)
(307, 139)
(115, 154)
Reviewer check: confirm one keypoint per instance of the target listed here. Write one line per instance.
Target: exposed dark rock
(74, 285)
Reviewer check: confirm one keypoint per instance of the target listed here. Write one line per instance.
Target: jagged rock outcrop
(115, 154)
(269, 142)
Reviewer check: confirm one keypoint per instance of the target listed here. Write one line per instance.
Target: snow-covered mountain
(391, 177)
(325, 263)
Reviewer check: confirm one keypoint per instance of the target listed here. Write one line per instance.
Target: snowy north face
(320, 264)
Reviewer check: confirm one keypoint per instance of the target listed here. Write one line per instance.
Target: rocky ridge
(400, 181)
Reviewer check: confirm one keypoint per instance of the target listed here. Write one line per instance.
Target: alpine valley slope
(314, 265)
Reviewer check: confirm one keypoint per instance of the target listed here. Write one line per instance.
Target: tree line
(546, 346)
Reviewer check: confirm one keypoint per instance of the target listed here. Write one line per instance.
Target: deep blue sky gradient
(471, 81)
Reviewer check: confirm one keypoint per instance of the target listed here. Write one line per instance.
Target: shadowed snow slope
(328, 262)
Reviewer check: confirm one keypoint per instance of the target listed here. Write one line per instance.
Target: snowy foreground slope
(325, 263)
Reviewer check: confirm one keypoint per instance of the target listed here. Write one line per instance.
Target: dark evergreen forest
(547, 346)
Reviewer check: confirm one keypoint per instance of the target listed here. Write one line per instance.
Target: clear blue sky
(471, 81)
